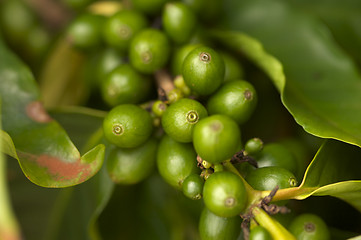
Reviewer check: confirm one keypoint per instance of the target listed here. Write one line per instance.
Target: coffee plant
(188, 119)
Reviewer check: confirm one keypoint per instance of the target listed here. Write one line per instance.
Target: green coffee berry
(125, 85)
(179, 119)
(149, 50)
(224, 194)
(179, 21)
(127, 126)
(253, 146)
(310, 227)
(175, 161)
(178, 57)
(120, 28)
(275, 154)
(259, 233)
(236, 99)
(218, 167)
(233, 68)
(85, 31)
(267, 178)
(174, 95)
(213, 227)
(132, 165)
(193, 186)
(203, 70)
(159, 108)
(216, 138)
(106, 61)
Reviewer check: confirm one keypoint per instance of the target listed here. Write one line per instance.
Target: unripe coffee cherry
(267, 178)
(259, 233)
(193, 186)
(120, 28)
(309, 226)
(234, 69)
(253, 146)
(236, 99)
(179, 119)
(178, 57)
(225, 194)
(85, 31)
(127, 126)
(276, 154)
(149, 50)
(125, 85)
(203, 70)
(159, 107)
(216, 138)
(175, 161)
(213, 227)
(179, 21)
(132, 165)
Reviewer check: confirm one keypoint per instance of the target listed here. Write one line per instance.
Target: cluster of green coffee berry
(25, 33)
(192, 132)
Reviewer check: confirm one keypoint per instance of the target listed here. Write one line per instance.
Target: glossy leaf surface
(62, 80)
(276, 230)
(341, 17)
(45, 153)
(333, 172)
(320, 86)
(77, 208)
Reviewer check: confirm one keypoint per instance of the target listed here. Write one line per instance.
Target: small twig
(272, 208)
(148, 106)
(245, 227)
(164, 84)
(162, 95)
(266, 200)
(239, 157)
(199, 162)
(53, 14)
(264, 204)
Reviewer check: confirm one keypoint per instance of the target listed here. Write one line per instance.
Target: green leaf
(7, 145)
(44, 151)
(348, 191)
(151, 209)
(77, 209)
(61, 80)
(341, 17)
(334, 162)
(255, 52)
(83, 125)
(276, 230)
(32, 204)
(328, 173)
(333, 172)
(322, 88)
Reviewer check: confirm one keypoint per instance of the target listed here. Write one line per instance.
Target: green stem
(276, 230)
(289, 193)
(9, 229)
(254, 196)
